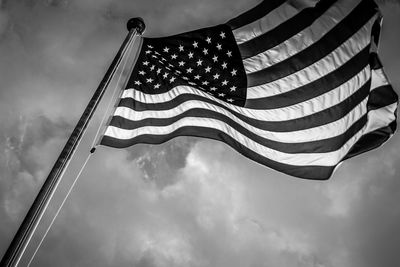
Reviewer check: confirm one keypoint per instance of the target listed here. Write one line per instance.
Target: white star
(138, 83)
(208, 40)
(157, 86)
(205, 51)
(219, 47)
(181, 63)
(233, 88)
(195, 44)
(158, 70)
(205, 83)
(178, 71)
(181, 48)
(166, 49)
(153, 56)
(149, 46)
(174, 56)
(142, 72)
(146, 63)
(213, 88)
(163, 59)
(229, 53)
(172, 79)
(152, 67)
(208, 69)
(165, 75)
(192, 83)
(199, 62)
(157, 53)
(230, 100)
(190, 55)
(189, 70)
(149, 80)
(224, 65)
(215, 58)
(233, 72)
(169, 64)
(148, 52)
(222, 35)
(225, 82)
(221, 94)
(216, 76)
(197, 77)
(185, 78)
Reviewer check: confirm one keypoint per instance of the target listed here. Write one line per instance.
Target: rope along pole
(59, 208)
(19, 243)
(86, 161)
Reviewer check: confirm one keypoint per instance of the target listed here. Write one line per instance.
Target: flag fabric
(296, 89)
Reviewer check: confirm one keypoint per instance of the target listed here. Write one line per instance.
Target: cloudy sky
(189, 202)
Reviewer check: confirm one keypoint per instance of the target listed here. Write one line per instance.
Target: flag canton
(206, 59)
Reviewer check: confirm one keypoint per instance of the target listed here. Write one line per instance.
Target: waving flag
(297, 90)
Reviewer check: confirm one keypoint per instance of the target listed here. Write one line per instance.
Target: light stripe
(297, 159)
(340, 55)
(378, 78)
(257, 12)
(302, 40)
(382, 117)
(296, 111)
(265, 24)
(305, 76)
(326, 131)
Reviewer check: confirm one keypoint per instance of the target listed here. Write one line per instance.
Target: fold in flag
(297, 90)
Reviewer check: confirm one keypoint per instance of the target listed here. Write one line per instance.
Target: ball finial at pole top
(136, 23)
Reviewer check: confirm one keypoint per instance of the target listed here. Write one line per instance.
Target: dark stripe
(285, 30)
(254, 14)
(307, 172)
(318, 50)
(320, 146)
(376, 30)
(372, 140)
(382, 97)
(316, 88)
(317, 119)
(374, 61)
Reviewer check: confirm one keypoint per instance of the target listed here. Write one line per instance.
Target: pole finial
(136, 23)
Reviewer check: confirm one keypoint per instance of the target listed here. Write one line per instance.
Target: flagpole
(21, 239)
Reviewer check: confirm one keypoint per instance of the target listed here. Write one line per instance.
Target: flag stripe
(127, 119)
(285, 30)
(377, 134)
(307, 172)
(280, 120)
(299, 159)
(269, 21)
(329, 130)
(318, 146)
(304, 39)
(254, 14)
(321, 85)
(381, 97)
(372, 140)
(375, 61)
(314, 52)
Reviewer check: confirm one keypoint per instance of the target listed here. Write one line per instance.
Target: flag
(296, 89)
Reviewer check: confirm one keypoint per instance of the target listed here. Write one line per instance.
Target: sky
(190, 201)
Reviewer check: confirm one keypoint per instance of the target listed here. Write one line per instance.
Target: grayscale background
(189, 202)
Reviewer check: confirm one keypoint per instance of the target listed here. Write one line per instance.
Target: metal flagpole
(21, 239)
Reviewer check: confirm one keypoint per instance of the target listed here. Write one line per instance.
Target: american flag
(296, 88)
